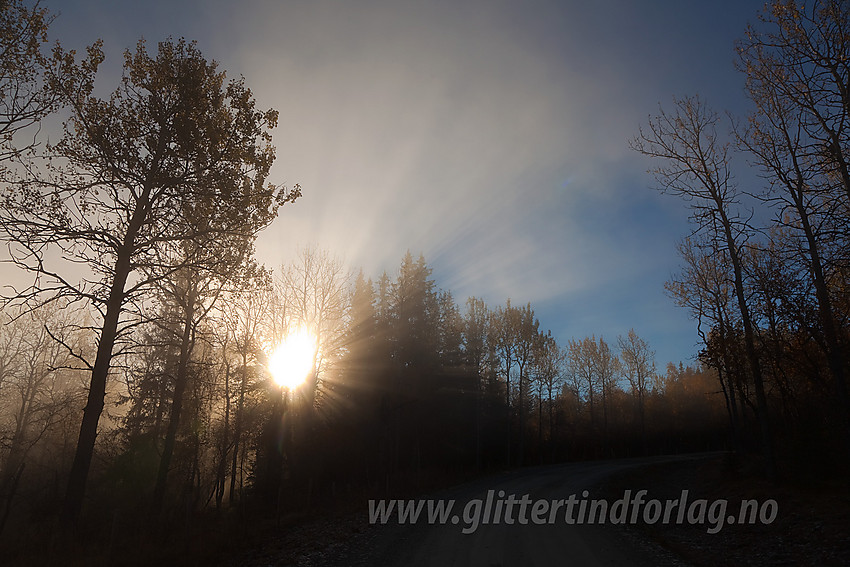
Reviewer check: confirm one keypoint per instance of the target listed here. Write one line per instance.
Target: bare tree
(703, 286)
(477, 340)
(639, 365)
(799, 135)
(549, 361)
(11, 346)
(313, 292)
(580, 368)
(504, 324)
(606, 366)
(527, 335)
(797, 67)
(37, 389)
(246, 320)
(697, 167)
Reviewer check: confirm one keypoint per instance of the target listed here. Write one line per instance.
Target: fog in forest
(189, 362)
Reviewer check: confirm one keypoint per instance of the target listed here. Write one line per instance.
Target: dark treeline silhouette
(408, 390)
(136, 401)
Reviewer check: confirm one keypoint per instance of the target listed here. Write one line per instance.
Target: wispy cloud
(491, 136)
(439, 132)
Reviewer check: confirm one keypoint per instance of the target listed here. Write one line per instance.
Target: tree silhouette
(639, 364)
(28, 77)
(697, 167)
(173, 141)
(796, 73)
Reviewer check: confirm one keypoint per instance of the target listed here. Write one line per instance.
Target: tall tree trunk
(834, 355)
(508, 409)
(731, 399)
(749, 342)
(540, 426)
(478, 409)
(78, 476)
(552, 436)
(9, 489)
(180, 383)
(97, 391)
(642, 416)
(237, 429)
(221, 473)
(605, 418)
(521, 450)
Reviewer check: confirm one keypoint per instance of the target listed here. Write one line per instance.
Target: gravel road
(492, 545)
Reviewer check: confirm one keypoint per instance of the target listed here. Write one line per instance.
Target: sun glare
(292, 360)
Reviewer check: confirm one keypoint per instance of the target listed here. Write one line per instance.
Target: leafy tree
(28, 77)
(362, 328)
(415, 315)
(173, 141)
(362, 356)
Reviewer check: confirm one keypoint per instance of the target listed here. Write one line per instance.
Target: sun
(292, 360)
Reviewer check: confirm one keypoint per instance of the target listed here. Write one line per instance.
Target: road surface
(504, 545)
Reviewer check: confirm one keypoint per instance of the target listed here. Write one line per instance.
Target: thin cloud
(491, 136)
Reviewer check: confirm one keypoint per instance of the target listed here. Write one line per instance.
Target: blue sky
(490, 136)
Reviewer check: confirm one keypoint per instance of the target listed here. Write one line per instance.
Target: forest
(136, 397)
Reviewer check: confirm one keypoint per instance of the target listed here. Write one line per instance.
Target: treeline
(767, 271)
(408, 390)
(430, 384)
